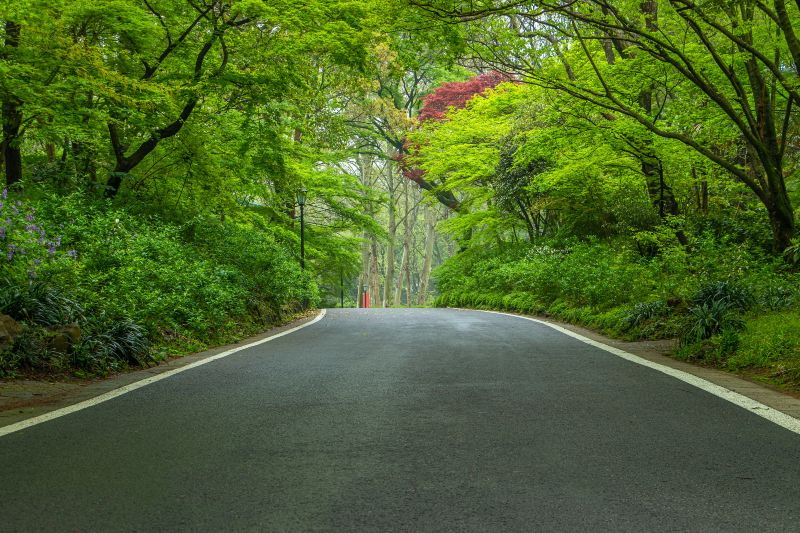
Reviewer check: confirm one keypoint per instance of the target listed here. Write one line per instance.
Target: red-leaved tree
(456, 94)
(451, 95)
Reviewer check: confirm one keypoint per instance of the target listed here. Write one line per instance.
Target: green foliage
(140, 287)
(38, 303)
(25, 243)
(123, 340)
(708, 319)
(727, 294)
(642, 312)
(612, 287)
(771, 342)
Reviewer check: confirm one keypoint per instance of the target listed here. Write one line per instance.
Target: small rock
(9, 330)
(65, 337)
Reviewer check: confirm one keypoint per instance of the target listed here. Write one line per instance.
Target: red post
(365, 302)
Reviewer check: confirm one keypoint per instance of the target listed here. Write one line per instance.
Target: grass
(770, 343)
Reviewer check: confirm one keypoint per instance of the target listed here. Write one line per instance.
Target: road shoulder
(658, 352)
(24, 399)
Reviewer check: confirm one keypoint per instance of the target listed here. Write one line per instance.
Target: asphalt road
(397, 420)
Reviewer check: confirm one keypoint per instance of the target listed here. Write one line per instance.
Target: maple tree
(456, 94)
(435, 106)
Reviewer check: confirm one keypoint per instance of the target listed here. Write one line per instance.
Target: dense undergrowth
(95, 288)
(728, 306)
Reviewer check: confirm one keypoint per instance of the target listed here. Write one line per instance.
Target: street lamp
(301, 201)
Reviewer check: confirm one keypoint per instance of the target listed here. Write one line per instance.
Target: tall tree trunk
(374, 276)
(363, 278)
(430, 238)
(781, 217)
(388, 281)
(407, 275)
(12, 114)
(398, 293)
(408, 242)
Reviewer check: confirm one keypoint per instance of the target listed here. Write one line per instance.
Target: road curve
(420, 419)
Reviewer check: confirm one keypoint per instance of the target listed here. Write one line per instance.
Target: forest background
(631, 166)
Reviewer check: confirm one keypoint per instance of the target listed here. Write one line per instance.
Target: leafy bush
(611, 287)
(123, 341)
(776, 298)
(138, 286)
(37, 303)
(770, 341)
(642, 312)
(25, 244)
(710, 318)
(730, 294)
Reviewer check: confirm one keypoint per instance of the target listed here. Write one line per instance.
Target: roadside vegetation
(725, 308)
(93, 288)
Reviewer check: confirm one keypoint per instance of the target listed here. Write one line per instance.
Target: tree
(737, 62)
(435, 106)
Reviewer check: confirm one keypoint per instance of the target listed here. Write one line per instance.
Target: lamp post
(301, 201)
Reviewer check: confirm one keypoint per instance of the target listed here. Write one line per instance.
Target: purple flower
(2, 232)
(11, 249)
(14, 210)
(73, 254)
(5, 193)
(51, 249)
(29, 217)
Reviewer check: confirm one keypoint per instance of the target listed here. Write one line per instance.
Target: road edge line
(91, 402)
(764, 411)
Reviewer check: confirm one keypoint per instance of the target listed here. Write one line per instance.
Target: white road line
(139, 384)
(758, 408)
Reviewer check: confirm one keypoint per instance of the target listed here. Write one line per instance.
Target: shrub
(123, 341)
(643, 312)
(37, 303)
(730, 294)
(25, 245)
(708, 319)
(767, 340)
(140, 283)
(776, 298)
